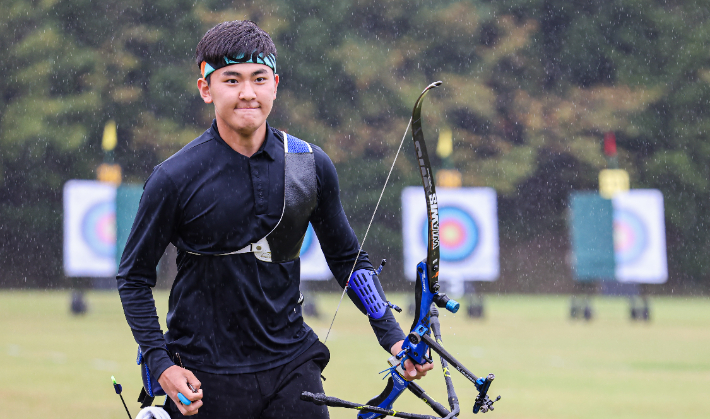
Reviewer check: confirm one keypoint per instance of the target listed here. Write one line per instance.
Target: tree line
(530, 88)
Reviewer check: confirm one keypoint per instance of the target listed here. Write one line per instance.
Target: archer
(236, 203)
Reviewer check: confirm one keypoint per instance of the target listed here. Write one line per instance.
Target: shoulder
(195, 146)
(325, 169)
(292, 143)
(324, 166)
(159, 182)
(323, 162)
(191, 157)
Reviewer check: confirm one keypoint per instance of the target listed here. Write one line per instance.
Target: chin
(248, 128)
(248, 124)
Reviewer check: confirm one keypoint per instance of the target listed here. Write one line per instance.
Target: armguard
(365, 285)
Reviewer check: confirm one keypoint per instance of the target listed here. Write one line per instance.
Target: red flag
(610, 144)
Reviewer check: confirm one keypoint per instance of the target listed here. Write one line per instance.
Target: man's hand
(174, 380)
(412, 371)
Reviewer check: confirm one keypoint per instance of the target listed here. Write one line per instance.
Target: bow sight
(419, 343)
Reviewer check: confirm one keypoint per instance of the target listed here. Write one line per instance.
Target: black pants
(271, 394)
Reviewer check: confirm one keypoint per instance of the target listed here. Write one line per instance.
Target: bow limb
(432, 260)
(429, 189)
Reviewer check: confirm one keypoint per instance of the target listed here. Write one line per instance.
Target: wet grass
(55, 365)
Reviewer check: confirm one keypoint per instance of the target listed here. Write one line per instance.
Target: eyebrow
(238, 74)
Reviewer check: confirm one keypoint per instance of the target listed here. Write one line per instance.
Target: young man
(236, 203)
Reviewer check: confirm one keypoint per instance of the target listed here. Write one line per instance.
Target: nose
(247, 92)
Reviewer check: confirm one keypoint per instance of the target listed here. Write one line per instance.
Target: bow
(419, 343)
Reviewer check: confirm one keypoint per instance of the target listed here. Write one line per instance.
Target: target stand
(619, 246)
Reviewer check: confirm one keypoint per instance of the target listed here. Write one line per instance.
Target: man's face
(242, 94)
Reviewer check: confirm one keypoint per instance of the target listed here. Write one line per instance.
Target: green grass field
(54, 365)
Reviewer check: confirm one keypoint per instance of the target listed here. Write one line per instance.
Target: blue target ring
(98, 228)
(307, 241)
(630, 236)
(459, 234)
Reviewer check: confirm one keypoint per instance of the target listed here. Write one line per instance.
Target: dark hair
(233, 38)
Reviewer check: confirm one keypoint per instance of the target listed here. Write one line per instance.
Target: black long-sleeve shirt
(234, 313)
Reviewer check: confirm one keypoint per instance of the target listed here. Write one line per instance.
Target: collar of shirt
(270, 147)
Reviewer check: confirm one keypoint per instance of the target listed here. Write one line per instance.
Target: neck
(244, 143)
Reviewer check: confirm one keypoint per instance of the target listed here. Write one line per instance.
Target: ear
(276, 84)
(204, 89)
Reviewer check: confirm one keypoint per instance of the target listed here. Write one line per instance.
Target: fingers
(425, 368)
(416, 371)
(193, 407)
(409, 369)
(195, 397)
(193, 394)
(192, 380)
(176, 380)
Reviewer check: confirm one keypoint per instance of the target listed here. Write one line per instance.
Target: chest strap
(283, 243)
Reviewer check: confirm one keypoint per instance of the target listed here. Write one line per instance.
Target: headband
(269, 60)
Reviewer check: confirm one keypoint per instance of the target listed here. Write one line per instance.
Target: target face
(89, 228)
(468, 234)
(640, 237)
(458, 234)
(630, 236)
(99, 228)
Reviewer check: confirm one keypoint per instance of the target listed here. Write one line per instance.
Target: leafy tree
(530, 86)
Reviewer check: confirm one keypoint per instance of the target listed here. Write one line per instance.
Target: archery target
(640, 237)
(89, 228)
(458, 233)
(98, 228)
(468, 233)
(313, 263)
(630, 236)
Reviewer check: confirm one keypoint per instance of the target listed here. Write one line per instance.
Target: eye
(260, 79)
(232, 81)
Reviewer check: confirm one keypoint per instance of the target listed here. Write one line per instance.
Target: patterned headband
(269, 60)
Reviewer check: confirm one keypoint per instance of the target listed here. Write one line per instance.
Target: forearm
(387, 330)
(141, 315)
(366, 293)
(151, 232)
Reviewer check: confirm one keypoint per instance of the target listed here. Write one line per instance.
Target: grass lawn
(55, 365)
